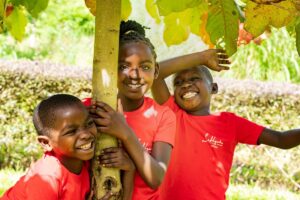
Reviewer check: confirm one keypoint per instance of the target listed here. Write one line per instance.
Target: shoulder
(159, 109)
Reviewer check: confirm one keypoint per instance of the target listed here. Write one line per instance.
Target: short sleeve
(166, 127)
(171, 104)
(42, 187)
(247, 132)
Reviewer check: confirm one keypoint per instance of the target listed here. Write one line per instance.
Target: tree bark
(2, 14)
(104, 83)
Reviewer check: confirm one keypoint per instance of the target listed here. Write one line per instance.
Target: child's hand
(116, 157)
(108, 120)
(216, 59)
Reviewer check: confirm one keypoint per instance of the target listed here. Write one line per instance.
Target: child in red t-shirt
(205, 142)
(67, 134)
(150, 138)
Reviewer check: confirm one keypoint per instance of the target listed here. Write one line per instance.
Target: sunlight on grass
(245, 192)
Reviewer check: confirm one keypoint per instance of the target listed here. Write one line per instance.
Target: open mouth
(189, 95)
(134, 86)
(87, 146)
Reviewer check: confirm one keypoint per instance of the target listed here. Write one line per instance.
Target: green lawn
(235, 192)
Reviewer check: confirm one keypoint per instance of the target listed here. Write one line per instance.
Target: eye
(146, 67)
(122, 67)
(177, 83)
(195, 78)
(70, 132)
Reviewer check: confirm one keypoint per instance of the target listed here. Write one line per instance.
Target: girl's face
(137, 70)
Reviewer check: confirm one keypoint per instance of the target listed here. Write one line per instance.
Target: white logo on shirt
(213, 141)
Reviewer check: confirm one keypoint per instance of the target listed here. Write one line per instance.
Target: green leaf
(152, 10)
(177, 28)
(222, 24)
(196, 14)
(166, 7)
(260, 16)
(16, 23)
(34, 7)
(297, 29)
(125, 9)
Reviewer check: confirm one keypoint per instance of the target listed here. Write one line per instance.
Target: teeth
(86, 146)
(189, 95)
(134, 86)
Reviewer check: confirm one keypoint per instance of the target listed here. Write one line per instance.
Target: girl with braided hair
(146, 129)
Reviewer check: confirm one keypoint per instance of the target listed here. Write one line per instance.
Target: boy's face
(193, 91)
(137, 70)
(73, 134)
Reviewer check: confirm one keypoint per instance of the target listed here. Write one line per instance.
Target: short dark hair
(44, 115)
(202, 68)
(132, 31)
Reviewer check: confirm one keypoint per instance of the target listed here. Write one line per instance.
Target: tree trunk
(105, 74)
(2, 14)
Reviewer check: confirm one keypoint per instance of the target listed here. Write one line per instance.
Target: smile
(134, 86)
(86, 146)
(189, 95)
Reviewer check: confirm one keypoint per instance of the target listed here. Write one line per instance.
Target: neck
(131, 104)
(72, 164)
(200, 112)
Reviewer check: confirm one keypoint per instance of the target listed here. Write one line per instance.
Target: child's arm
(280, 139)
(152, 168)
(116, 157)
(215, 59)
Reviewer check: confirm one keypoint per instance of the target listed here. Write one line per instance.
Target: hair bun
(131, 26)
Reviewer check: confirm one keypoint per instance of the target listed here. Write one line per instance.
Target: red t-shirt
(48, 179)
(151, 123)
(203, 152)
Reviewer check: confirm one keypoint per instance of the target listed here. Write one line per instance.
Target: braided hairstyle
(131, 31)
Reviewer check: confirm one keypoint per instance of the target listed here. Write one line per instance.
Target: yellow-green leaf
(166, 7)
(16, 23)
(260, 16)
(125, 9)
(222, 24)
(152, 10)
(34, 7)
(175, 32)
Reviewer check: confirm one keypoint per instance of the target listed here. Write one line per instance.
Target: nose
(85, 135)
(134, 73)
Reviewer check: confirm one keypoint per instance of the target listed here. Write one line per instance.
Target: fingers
(107, 195)
(120, 106)
(104, 106)
(223, 59)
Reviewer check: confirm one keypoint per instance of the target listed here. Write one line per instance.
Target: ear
(156, 70)
(44, 142)
(214, 88)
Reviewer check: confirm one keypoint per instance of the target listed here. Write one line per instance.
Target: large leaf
(203, 33)
(166, 7)
(222, 24)
(125, 10)
(152, 10)
(16, 23)
(34, 7)
(179, 25)
(260, 16)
